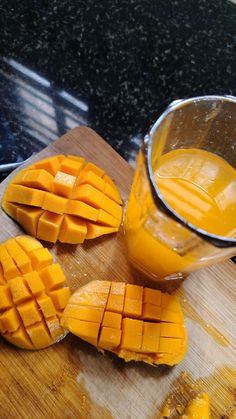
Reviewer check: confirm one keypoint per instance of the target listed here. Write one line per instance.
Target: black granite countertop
(112, 65)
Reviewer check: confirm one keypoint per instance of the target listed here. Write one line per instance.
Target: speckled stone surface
(121, 62)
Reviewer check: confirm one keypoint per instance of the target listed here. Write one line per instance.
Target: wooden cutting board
(71, 379)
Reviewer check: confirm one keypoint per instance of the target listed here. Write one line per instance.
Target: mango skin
(64, 198)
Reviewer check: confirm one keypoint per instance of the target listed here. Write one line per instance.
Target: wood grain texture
(71, 379)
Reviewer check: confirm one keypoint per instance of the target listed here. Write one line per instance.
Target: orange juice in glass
(181, 213)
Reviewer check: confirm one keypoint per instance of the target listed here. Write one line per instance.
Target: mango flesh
(198, 408)
(32, 294)
(135, 323)
(65, 199)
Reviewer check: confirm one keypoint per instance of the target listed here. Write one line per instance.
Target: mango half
(32, 294)
(135, 323)
(64, 198)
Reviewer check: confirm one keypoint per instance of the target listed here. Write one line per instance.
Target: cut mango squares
(135, 323)
(32, 294)
(64, 198)
(198, 408)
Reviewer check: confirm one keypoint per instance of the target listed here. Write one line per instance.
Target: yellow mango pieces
(32, 294)
(64, 198)
(136, 323)
(198, 408)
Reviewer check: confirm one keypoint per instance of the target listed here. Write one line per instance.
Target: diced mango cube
(34, 282)
(51, 164)
(2, 279)
(10, 269)
(85, 330)
(63, 184)
(111, 207)
(134, 292)
(118, 288)
(60, 297)
(131, 338)
(170, 316)
(109, 338)
(98, 287)
(54, 203)
(151, 337)
(151, 312)
(35, 178)
(39, 335)
(19, 290)
(24, 195)
(46, 306)
(80, 209)
(95, 169)
(23, 262)
(12, 247)
(5, 297)
(28, 243)
(71, 166)
(170, 345)
(106, 219)
(89, 299)
(10, 320)
(91, 178)
(28, 217)
(3, 253)
(88, 314)
(40, 258)
(52, 276)
(152, 296)
(10, 208)
(29, 313)
(21, 259)
(132, 326)
(171, 330)
(73, 230)
(49, 226)
(115, 303)
(170, 302)
(112, 192)
(78, 159)
(96, 230)
(55, 329)
(89, 195)
(132, 308)
(112, 320)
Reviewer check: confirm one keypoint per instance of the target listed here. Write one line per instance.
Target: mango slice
(32, 294)
(198, 408)
(64, 198)
(135, 323)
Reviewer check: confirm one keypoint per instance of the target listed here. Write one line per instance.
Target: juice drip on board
(220, 387)
(209, 328)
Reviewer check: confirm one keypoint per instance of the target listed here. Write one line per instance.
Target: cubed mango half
(64, 198)
(32, 294)
(134, 322)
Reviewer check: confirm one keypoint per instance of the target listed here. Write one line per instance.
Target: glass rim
(216, 240)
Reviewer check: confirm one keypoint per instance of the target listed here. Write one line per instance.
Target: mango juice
(201, 187)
